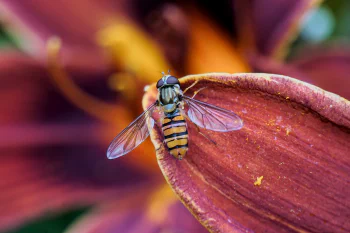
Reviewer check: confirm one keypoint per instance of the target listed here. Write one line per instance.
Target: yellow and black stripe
(175, 135)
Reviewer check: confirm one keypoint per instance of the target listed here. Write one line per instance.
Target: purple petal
(267, 27)
(295, 137)
(327, 68)
(140, 212)
(52, 153)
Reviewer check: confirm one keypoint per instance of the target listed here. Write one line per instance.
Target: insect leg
(192, 85)
(209, 139)
(196, 92)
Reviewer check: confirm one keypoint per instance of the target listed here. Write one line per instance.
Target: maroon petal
(144, 211)
(169, 26)
(75, 23)
(267, 27)
(262, 64)
(41, 179)
(52, 153)
(295, 139)
(79, 24)
(328, 68)
(28, 94)
(20, 135)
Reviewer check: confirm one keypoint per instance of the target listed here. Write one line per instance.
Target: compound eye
(160, 83)
(172, 80)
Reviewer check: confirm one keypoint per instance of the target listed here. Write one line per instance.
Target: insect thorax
(169, 97)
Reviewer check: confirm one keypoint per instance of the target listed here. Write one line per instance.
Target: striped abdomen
(175, 135)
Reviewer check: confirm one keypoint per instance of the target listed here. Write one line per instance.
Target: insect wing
(212, 117)
(132, 136)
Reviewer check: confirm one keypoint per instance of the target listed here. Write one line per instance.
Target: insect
(171, 103)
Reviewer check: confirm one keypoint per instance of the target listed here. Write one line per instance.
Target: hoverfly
(171, 102)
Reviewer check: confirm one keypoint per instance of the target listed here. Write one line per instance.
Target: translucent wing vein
(132, 136)
(212, 117)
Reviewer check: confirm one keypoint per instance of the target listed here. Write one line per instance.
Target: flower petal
(328, 68)
(220, 54)
(96, 107)
(295, 140)
(57, 176)
(168, 25)
(53, 154)
(269, 26)
(73, 23)
(141, 211)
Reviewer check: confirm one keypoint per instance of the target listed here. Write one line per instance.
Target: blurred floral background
(73, 75)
